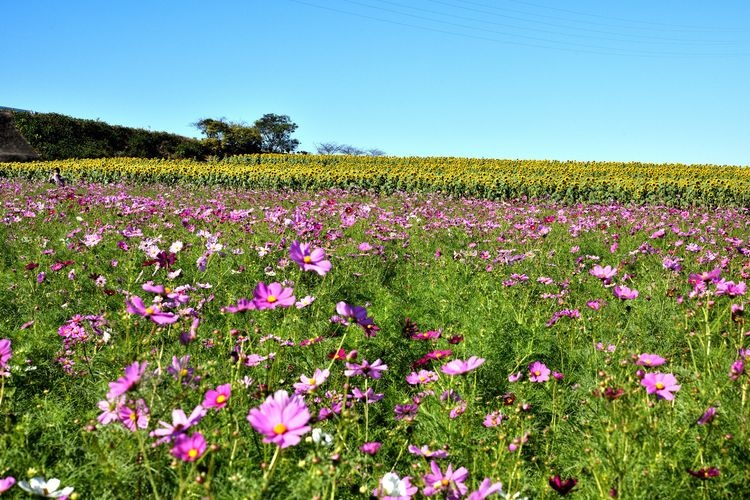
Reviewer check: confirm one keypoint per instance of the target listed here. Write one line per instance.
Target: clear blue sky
(635, 80)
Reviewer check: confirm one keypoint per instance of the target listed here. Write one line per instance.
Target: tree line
(57, 137)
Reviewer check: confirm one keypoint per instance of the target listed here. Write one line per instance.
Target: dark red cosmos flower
(562, 486)
(704, 473)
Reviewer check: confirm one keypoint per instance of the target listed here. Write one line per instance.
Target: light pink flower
(458, 367)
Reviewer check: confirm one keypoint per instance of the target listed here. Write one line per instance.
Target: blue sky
(641, 80)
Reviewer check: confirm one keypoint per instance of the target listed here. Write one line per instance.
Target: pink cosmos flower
(603, 273)
(451, 484)
(370, 448)
(423, 377)
(493, 419)
(135, 305)
(272, 296)
(730, 288)
(424, 451)
(650, 360)
(189, 448)
(307, 384)
(309, 260)
(133, 374)
(737, 369)
(242, 306)
(486, 489)
(538, 372)
(458, 367)
(5, 354)
(624, 293)
(281, 419)
(217, 398)
(7, 483)
(707, 416)
(515, 377)
(180, 423)
(134, 415)
(110, 410)
(663, 384)
(366, 369)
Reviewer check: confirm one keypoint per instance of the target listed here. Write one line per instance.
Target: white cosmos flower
(321, 438)
(44, 488)
(392, 485)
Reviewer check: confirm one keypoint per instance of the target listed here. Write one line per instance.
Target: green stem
(270, 471)
(146, 464)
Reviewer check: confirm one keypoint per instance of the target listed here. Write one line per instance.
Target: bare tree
(328, 148)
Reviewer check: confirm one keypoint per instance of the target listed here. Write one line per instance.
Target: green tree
(225, 138)
(276, 133)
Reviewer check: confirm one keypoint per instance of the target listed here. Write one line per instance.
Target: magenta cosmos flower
(217, 398)
(458, 367)
(135, 305)
(272, 296)
(281, 419)
(5, 353)
(663, 384)
(538, 372)
(133, 374)
(309, 259)
(189, 448)
(451, 483)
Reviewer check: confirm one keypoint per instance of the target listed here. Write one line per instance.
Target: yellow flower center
(444, 482)
(307, 259)
(537, 373)
(192, 453)
(659, 385)
(271, 299)
(149, 310)
(221, 398)
(279, 429)
(422, 378)
(167, 290)
(133, 417)
(183, 372)
(312, 381)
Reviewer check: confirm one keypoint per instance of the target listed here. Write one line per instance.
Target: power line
(650, 39)
(676, 27)
(543, 43)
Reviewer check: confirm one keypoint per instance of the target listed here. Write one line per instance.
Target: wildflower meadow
(178, 341)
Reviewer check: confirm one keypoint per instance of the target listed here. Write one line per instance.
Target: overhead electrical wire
(532, 41)
(650, 39)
